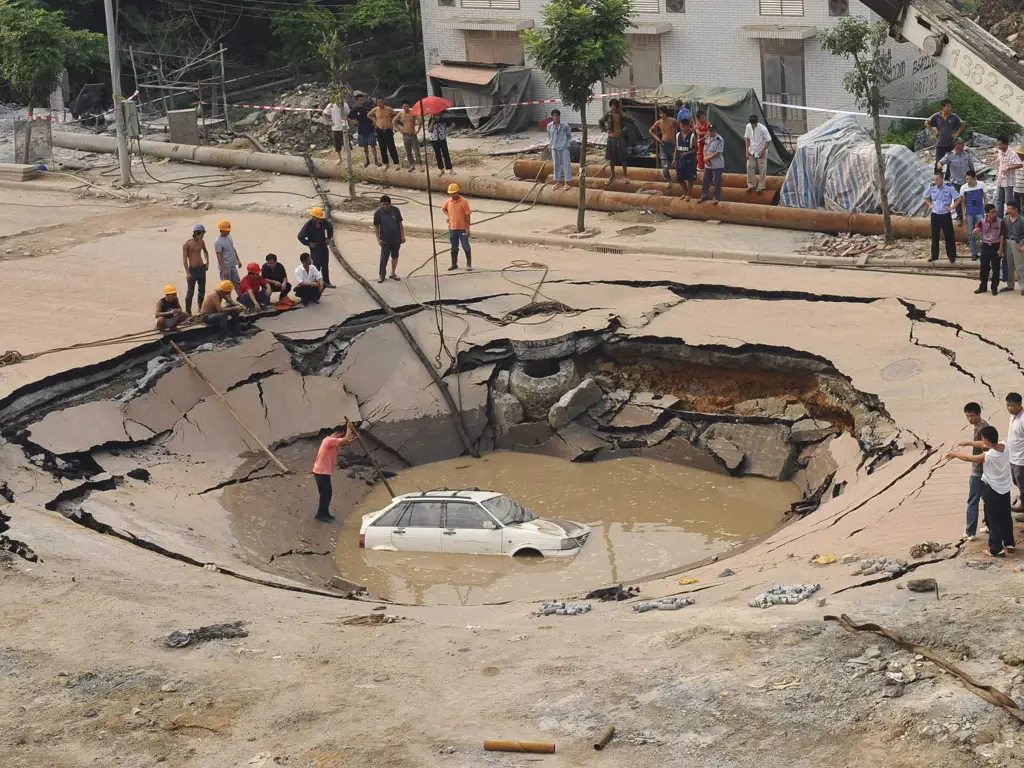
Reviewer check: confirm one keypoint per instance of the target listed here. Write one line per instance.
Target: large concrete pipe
(651, 174)
(815, 220)
(528, 170)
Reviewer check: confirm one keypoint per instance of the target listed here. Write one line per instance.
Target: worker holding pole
(323, 468)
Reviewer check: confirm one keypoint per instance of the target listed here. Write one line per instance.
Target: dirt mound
(296, 132)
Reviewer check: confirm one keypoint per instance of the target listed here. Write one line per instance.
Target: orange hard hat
(226, 286)
(252, 268)
(224, 225)
(317, 213)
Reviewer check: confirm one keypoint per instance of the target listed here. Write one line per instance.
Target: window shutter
(782, 7)
(498, 5)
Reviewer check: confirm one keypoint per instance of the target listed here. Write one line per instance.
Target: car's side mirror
(490, 526)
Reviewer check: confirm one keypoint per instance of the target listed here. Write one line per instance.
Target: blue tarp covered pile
(834, 168)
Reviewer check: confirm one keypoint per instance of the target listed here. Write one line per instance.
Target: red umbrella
(431, 105)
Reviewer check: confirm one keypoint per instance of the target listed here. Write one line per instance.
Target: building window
(448, 3)
(782, 82)
(494, 47)
(838, 7)
(782, 7)
(675, 6)
(647, 6)
(497, 5)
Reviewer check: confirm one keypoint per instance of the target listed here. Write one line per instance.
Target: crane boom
(987, 66)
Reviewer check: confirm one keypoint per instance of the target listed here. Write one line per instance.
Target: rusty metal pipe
(811, 220)
(529, 167)
(601, 743)
(729, 194)
(540, 748)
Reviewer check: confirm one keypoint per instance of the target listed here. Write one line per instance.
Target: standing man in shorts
(336, 114)
(383, 118)
(366, 131)
(616, 150)
(227, 257)
(196, 260)
(409, 124)
(387, 223)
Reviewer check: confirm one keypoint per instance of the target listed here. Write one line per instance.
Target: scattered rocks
(726, 573)
(501, 382)
(560, 608)
(665, 604)
(184, 638)
(923, 585)
(573, 403)
(295, 132)
(927, 548)
(139, 474)
(91, 713)
(506, 412)
(765, 406)
(784, 594)
(893, 566)
(371, 620)
(1012, 658)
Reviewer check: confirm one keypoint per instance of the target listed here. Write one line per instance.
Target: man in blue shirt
(972, 201)
(941, 198)
(682, 113)
(559, 134)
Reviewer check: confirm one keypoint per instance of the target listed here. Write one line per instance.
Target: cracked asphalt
(701, 685)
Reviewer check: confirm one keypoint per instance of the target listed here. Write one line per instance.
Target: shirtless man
(409, 124)
(383, 118)
(220, 309)
(196, 260)
(664, 134)
(169, 314)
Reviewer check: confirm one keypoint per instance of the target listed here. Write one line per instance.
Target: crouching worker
(323, 468)
(995, 474)
(275, 274)
(255, 289)
(220, 309)
(309, 283)
(169, 314)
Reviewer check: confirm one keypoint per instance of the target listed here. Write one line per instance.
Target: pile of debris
(296, 132)
(872, 245)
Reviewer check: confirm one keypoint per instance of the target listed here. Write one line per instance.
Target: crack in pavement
(711, 291)
(896, 576)
(247, 478)
(950, 356)
(291, 552)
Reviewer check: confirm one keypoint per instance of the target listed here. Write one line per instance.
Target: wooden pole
(373, 461)
(227, 405)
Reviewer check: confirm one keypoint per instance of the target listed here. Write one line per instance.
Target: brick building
(767, 45)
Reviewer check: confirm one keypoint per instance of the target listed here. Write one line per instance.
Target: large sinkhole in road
(647, 516)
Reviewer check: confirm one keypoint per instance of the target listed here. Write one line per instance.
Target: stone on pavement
(573, 403)
(506, 412)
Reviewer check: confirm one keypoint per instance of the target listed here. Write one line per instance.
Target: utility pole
(115, 80)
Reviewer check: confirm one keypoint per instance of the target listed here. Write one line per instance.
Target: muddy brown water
(647, 516)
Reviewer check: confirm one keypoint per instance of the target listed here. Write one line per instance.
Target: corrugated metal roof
(455, 73)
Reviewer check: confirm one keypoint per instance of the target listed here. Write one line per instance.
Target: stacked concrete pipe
(812, 220)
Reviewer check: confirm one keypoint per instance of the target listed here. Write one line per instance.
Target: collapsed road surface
(135, 489)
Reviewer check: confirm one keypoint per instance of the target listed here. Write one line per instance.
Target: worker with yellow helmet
(457, 209)
(315, 234)
(221, 310)
(169, 314)
(227, 256)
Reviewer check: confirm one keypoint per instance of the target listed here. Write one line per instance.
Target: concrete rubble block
(82, 427)
(643, 410)
(661, 435)
(525, 436)
(581, 441)
(820, 465)
(506, 412)
(765, 406)
(795, 411)
(766, 446)
(539, 393)
(811, 431)
(501, 382)
(727, 452)
(573, 403)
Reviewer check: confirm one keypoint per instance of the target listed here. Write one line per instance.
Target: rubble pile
(784, 594)
(296, 132)
(845, 245)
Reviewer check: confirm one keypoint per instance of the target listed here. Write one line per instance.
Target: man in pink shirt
(323, 467)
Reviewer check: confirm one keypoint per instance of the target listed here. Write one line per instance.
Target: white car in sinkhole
(469, 522)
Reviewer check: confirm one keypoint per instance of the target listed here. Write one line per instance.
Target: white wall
(707, 46)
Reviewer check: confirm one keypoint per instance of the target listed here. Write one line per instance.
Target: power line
(252, 7)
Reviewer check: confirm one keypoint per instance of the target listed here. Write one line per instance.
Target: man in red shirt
(323, 468)
(252, 291)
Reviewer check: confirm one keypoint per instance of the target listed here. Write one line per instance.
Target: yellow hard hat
(170, 290)
(227, 286)
(317, 213)
(453, 189)
(224, 225)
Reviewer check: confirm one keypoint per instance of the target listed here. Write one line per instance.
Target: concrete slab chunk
(727, 452)
(811, 431)
(573, 403)
(766, 447)
(83, 427)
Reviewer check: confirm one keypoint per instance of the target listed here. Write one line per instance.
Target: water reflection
(647, 516)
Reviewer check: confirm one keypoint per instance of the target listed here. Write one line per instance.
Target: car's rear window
(509, 511)
(389, 518)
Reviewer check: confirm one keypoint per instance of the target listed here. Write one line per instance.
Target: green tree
(866, 44)
(304, 32)
(582, 42)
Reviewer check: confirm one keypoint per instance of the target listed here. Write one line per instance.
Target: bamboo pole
(376, 466)
(227, 405)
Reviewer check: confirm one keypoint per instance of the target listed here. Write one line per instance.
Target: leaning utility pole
(115, 81)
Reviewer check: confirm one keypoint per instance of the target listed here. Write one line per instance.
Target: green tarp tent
(728, 109)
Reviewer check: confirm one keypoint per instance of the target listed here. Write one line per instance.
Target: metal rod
(376, 466)
(601, 743)
(201, 375)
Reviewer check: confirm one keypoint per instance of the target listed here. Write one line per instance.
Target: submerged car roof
(473, 494)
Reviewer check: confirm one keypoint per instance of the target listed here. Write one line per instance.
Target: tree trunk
(883, 192)
(582, 210)
(26, 155)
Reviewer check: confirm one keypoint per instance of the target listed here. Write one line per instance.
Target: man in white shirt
(757, 139)
(1015, 439)
(309, 283)
(336, 113)
(996, 476)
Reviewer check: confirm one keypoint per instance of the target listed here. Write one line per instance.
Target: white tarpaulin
(835, 168)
